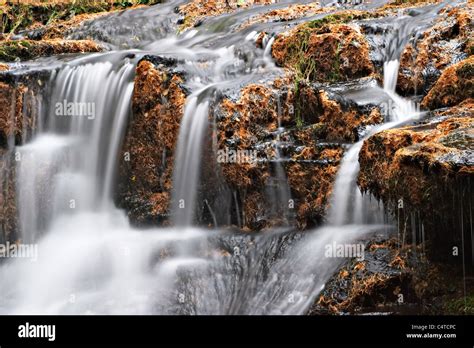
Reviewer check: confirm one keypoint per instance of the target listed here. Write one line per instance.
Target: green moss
(10, 50)
(461, 306)
(298, 119)
(296, 51)
(340, 18)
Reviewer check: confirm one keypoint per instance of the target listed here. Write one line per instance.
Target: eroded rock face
(11, 50)
(442, 45)
(455, 84)
(313, 121)
(332, 52)
(147, 163)
(306, 121)
(426, 167)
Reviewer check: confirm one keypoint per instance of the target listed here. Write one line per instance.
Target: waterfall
(62, 170)
(399, 110)
(92, 261)
(188, 161)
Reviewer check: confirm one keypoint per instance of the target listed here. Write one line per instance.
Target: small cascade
(62, 169)
(188, 160)
(278, 190)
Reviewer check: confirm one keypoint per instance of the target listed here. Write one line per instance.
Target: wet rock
(4, 67)
(60, 29)
(423, 172)
(194, 12)
(146, 168)
(8, 211)
(455, 85)
(442, 45)
(342, 122)
(300, 120)
(328, 52)
(11, 115)
(292, 12)
(391, 279)
(19, 95)
(12, 50)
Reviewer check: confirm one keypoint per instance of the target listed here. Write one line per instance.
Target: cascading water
(92, 260)
(398, 111)
(188, 160)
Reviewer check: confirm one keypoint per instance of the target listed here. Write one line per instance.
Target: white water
(348, 204)
(188, 160)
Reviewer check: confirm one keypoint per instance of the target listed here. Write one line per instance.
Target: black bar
(289, 330)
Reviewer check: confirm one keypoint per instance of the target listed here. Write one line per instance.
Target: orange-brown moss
(293, 11)
(11, 50)
(366, 286)
(342, 124)
(437, 49)
(197, 10)
(60, 29)
(455, 85)
(158, 104)
(388, 156)
(11, 120)
(428, 168)
(331, 52)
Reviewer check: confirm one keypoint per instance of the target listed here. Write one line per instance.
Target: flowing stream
(91, 261)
